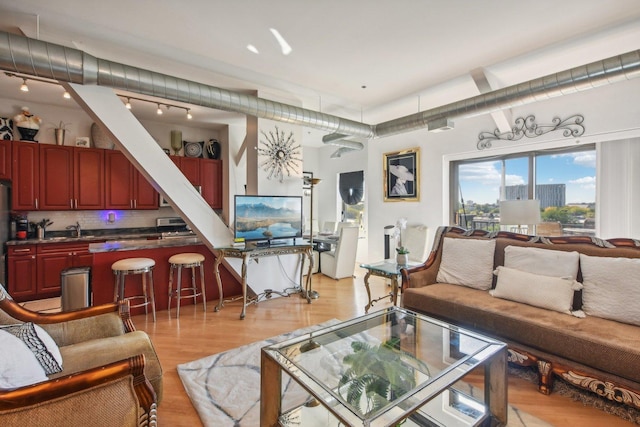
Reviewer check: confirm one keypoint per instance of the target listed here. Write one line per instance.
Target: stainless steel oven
(164, 202)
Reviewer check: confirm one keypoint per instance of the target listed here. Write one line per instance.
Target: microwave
(164, 202)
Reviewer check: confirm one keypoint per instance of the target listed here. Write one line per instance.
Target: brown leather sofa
(111, 374)
(594, 353)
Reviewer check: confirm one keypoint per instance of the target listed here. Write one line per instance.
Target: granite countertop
(135, 244)
(91, 236)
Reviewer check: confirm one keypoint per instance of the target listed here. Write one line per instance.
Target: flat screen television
(268, 218)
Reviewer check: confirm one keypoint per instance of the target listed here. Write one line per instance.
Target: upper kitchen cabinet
(190, 168)
(25, 162)
(211, 182)
(125, 187)
(5, 159)
(71, 178)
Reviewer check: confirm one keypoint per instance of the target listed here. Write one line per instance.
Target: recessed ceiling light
(286, 49)
(252, 48)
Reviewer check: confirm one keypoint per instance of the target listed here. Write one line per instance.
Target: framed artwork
(83, 141)
(401, 174)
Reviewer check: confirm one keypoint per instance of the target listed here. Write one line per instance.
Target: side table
(389, 270)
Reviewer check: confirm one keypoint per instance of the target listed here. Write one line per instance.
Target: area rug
(563, 388)
(224, 388)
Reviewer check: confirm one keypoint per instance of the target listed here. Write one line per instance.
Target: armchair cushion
(18, 365)
(39, 343)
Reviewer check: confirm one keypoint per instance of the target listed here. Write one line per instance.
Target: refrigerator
(5, 218)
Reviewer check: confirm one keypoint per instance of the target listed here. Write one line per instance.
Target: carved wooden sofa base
(547, 371)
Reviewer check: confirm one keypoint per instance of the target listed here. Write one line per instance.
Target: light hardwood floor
(198, 334)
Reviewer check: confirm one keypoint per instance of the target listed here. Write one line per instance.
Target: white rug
(225, 388)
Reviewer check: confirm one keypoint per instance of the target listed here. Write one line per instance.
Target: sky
(480, 181)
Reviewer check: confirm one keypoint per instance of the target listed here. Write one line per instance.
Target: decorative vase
(27, 134)
(100, 138)
(59, 133)
(213, 149)
(176, 141)
(402, 259)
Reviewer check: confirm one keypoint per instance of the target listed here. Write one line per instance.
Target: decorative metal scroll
(527, 127)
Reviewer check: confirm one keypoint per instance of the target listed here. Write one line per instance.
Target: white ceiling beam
(501, 118)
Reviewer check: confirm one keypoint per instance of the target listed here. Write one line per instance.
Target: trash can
(75, 288)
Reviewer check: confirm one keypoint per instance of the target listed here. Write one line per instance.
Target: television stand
(260, 250)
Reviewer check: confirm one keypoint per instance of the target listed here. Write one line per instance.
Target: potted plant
(402, 256)
(376, 376)
(59, 132)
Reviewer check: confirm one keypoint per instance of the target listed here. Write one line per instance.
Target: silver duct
(38, 58)
(599, 73)
(28, 56)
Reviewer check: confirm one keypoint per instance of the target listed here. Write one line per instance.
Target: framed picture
(401, 174)
(83, 141)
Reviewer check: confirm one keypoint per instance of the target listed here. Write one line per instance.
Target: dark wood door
(26, 179)
(190, 168)
(56, 178)
(146, 197)
(88, 178)
(49, 268)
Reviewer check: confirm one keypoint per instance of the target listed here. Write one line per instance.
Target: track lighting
(23, 86)
(159, 110)
(189, 116)
(128, 104)
(159, 105)
(66, 95)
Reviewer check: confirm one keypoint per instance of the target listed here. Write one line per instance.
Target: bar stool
(186, 260)
(142, 266)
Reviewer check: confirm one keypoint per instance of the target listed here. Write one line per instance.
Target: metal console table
(255, 252)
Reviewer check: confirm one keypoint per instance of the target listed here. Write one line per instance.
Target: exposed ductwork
(38, 58)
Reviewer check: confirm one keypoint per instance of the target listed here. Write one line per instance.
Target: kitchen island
(160, 250)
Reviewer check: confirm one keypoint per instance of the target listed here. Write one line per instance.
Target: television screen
(268, 217)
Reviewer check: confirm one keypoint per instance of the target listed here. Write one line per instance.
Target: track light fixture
(66, 95)
(23, 86)
(159, 105)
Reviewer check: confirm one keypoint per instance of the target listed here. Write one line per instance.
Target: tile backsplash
(96, 220)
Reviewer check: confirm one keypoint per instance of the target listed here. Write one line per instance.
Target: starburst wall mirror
(283, 154)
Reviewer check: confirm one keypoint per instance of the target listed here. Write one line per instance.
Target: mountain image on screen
(268, 218)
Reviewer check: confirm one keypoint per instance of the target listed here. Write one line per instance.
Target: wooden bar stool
(143, 266)
(186, 260)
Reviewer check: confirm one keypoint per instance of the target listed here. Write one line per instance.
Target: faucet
(76, 228)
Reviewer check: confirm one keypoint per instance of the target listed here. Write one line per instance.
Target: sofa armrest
(125, 396)
(420, 275)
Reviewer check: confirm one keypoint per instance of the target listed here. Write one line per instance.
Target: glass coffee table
(384, 368)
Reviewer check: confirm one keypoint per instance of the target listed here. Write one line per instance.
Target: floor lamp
(311, 182)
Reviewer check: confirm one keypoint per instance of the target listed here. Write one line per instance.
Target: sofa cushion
(90, 354)
(18, 365)
(603, 344)
(545, 262)
(553, 293)
(467, 262)
(611, 288)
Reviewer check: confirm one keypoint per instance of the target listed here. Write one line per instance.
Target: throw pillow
(611, 288)
(467, 262)
(45, 350)
(546, 262)
(552, 293)
(18, 365)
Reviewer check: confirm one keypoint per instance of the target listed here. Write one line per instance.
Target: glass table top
(376, 369)
(388, 267)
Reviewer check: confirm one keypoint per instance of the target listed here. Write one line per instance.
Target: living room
(609, 111)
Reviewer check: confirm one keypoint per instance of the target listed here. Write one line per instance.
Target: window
(564, 181)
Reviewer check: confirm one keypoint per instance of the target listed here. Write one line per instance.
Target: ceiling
(357, 59)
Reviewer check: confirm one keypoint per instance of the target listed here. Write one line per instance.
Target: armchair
(101, 351)
(341, 262)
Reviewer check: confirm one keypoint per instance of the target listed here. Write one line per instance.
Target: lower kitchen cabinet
(34, 270)
(22, 272)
